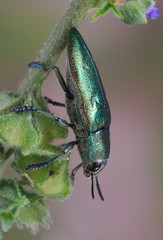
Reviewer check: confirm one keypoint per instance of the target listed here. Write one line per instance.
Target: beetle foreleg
(65, 150)
(74, 172)
(38, 165)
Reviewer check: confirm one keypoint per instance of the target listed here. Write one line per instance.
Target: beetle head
(93, 168)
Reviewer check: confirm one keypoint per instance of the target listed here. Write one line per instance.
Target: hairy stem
(53, 47)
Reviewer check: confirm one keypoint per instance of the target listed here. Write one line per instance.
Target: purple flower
(153, 13)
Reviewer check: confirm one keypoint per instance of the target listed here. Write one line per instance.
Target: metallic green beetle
(87, 108)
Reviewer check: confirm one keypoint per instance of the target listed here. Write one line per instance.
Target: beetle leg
(68, 147)
(60, 121)
(54, 102)
(60, 79)
(33, 109)
(63, 123)
(57, 74)
(65, 150)
(74, 172)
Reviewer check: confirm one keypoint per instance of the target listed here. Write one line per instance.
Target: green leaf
(32, 196)
(6, 99)
(57, 184)
(33, 216)
(106, 8)
(10, 196)
(21, 206)
(7, 219)
(147, 3)
(130, 12)
(134, 12)
(5, 152)
(27, 130)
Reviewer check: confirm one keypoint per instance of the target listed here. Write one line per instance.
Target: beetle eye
(93, 167)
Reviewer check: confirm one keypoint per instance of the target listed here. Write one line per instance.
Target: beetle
(87, 108)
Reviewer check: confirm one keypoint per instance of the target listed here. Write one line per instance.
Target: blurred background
(130, 62)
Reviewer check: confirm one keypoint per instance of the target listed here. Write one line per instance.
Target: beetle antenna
(92, 186)
(98, 189)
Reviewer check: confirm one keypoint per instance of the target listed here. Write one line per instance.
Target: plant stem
(53, 47)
